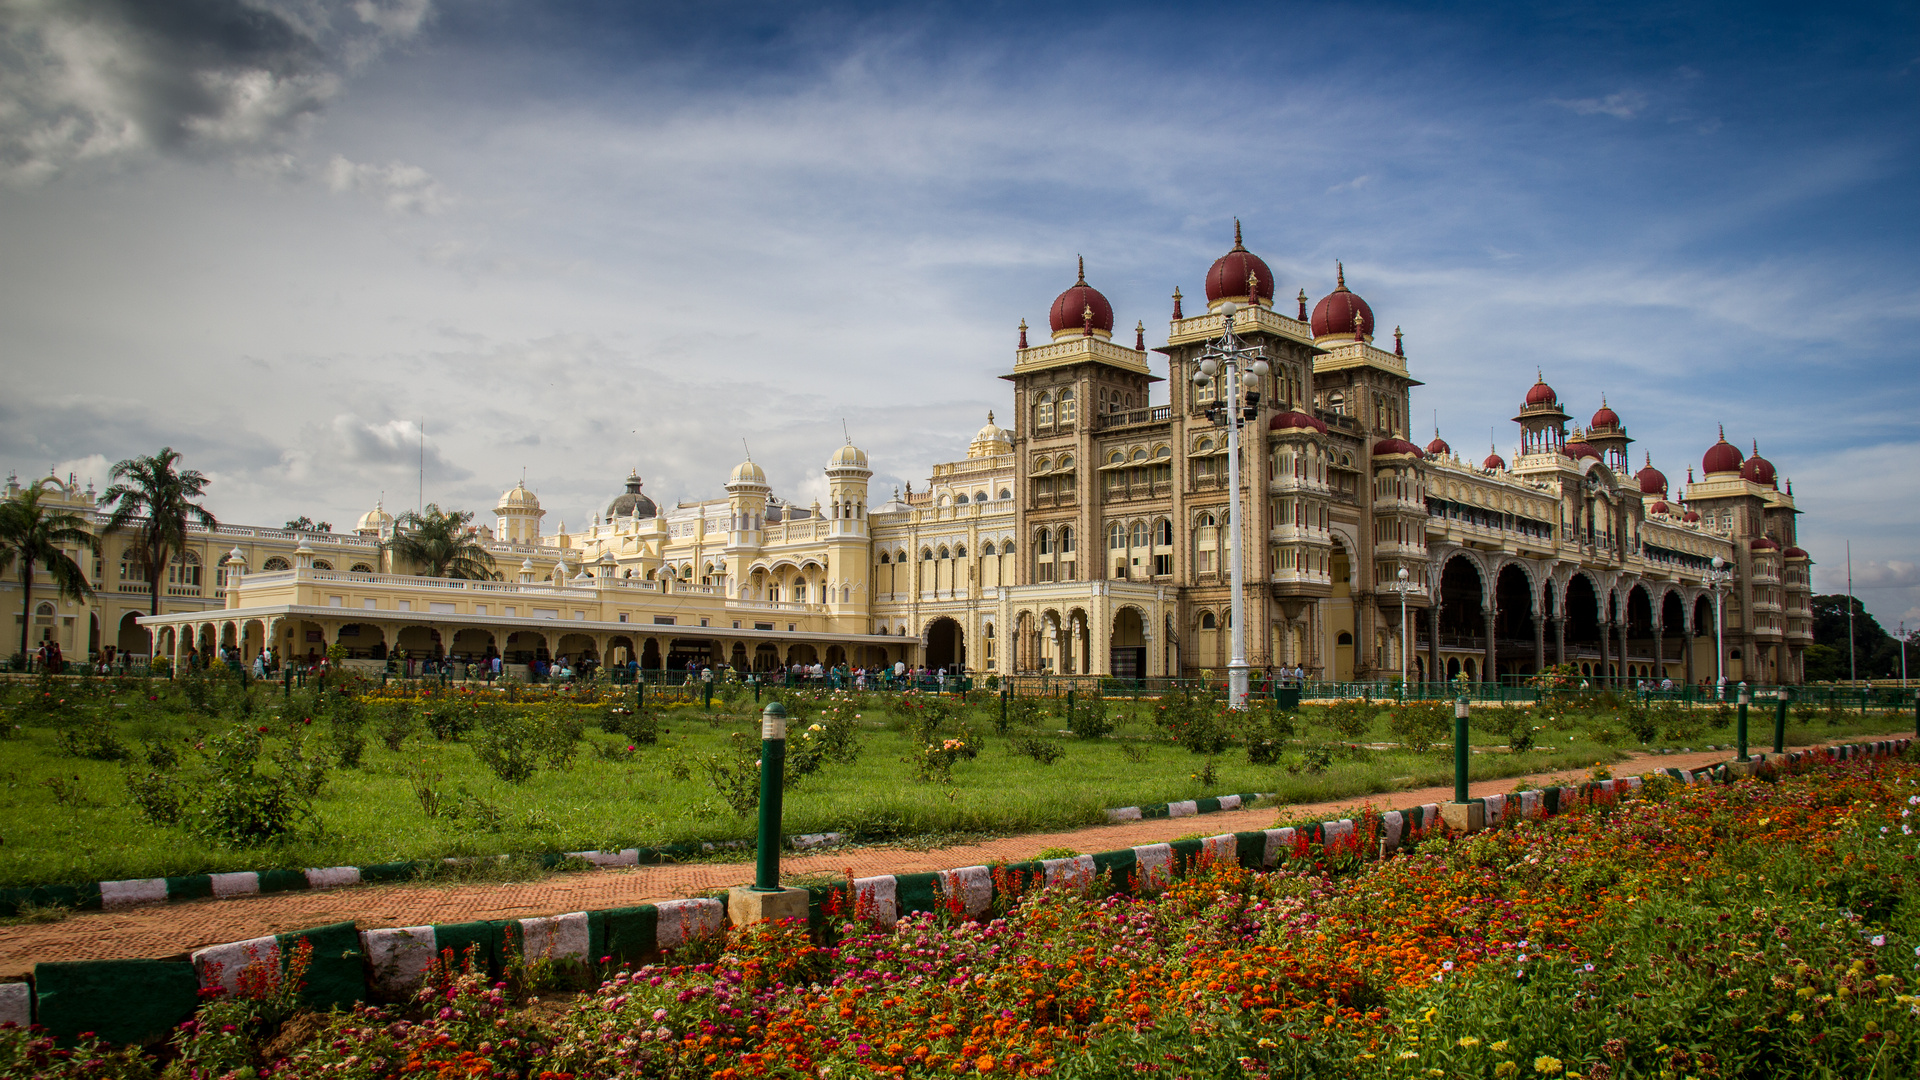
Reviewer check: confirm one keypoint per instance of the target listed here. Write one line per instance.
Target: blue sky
(578, 238)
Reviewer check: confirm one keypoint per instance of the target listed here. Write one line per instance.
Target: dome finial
(1083, 271)
(1339, 276)
(1398, 349)
(1176, 303)
(1237, 245)
(1756, 448)
(1253, 288)
(1023, 333)
(1723, 433)
(1140, 336)
(989, 416)
(1086, 320)
(1303, 305)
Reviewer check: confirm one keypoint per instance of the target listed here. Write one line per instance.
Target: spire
(1140, 336)
(1358, 333)
(1723, 433)
(1237, 245)
(1340, 277)
(1756, 448)
(1083, 271)
(1176, 303)
(1398, 349)
(1023, 333)
(1303, 305)
(1253, 288)
(989, 416)
(1086, 319)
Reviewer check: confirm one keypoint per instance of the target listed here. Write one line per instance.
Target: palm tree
(34, 534)
(156, 502)
(441, 543)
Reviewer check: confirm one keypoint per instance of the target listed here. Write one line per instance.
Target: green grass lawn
(70, 818)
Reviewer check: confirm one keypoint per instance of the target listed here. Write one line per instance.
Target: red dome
(1336, 314)
(1494, 462)
(1292, 419)
(1070, 308)
(1721, 457)
(1578, 450)
(1652, 480)
(1757, 469)
(1541, 394)
(1438, 447)
(1659, 507)
(1691, 515)
(1795, 553)
(1227, 280)
(1605, 418)
(1764, 544)
(1389, 447)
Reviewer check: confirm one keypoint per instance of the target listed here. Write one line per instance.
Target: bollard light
(773, 762)
(1740, 729)
(1780, 719)
(1460, 749)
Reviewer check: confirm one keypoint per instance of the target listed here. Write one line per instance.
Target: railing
(1157, 415)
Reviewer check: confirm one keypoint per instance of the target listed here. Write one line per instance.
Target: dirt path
(163, 930)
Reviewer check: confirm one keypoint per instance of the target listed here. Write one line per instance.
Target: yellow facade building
(1091, 536)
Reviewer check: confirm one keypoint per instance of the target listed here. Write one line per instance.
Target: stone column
(1623, 643)
(1606, 646)
(1435, 672)
(1659, 653)
(1687, 643)
(1490, 664)
(1559, 639)
(1539, 643)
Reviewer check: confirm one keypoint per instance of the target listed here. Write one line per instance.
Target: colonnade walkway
(173, 930)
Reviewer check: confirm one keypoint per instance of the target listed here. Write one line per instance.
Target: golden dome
(747, 473)
(517, 498)
(990, 441)
(374, 520)
(848, 455)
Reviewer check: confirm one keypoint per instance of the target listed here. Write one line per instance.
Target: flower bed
(1751, 929)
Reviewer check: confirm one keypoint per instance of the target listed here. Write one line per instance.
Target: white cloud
(1626, 104)
(402, 188)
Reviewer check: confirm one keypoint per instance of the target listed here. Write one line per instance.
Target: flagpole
(1853, 674)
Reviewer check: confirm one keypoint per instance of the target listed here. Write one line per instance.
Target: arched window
(1204, 446)
(185, 569)
(1066, 539)
(1207, 621)
(1006, 547)
(322, 564)
(1116, 535)
(1163, 533)
(900, 556)
(1045, 541)
(943, 553)
(1139, 534)
(988, 549)
(1116, 458)
(1043, 411)
(1163, 453)
(1006, 493)
(960, 499)
(1066, 406)
(1066, 462)
(926, 554)
(278, 563)
(363, 568)
(883, 558)
(1139, 456)
(960, 551)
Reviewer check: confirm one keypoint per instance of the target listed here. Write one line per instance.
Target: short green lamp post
(1462, 814)
(1740, 726)
(1780, 697)
(765, 898)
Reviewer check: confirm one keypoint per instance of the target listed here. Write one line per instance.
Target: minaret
(847, 532)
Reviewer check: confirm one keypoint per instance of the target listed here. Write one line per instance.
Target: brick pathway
(163, 930)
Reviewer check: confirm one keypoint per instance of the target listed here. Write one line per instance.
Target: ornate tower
(847, 555)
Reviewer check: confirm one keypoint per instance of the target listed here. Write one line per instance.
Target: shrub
(158, 795)
(242, 804)
(1352, 719)
(1199, 724)
(514, 742)
(1089, 718)
(394, 722)
(1024, 711)
(1268, 740)
(91, 736)
(640, 728)
(936, 760)
(1044, 751)
(1421, 725)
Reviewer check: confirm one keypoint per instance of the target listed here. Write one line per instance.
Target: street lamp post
(1242, 368)
(1717, 580)
(1400, 585)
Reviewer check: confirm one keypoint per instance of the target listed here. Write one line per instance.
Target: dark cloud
(102, 80)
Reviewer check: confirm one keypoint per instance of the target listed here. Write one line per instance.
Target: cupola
(1081, 310)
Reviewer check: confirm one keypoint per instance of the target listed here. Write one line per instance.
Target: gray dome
(631, 502)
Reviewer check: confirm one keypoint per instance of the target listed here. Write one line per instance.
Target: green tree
(441, 543)
(36, 535)
(1876, 655)
(155, 500)
(306, 524)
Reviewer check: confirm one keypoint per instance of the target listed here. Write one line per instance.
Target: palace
(1090, 537)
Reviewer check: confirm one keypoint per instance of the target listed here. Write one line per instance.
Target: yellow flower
(1468, 1041)
(1409, 1055)
(1505, 1069)
(1794, 1018)
(1431, 1013)
(1499, 1047)
(1546, 1066)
